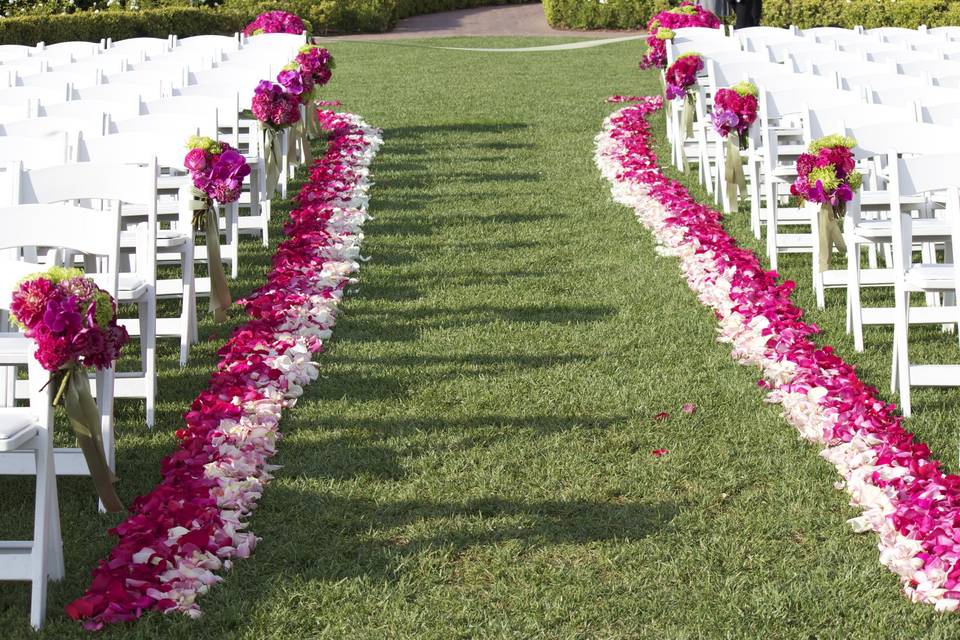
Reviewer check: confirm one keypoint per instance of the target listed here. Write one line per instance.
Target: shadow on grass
(332, 537)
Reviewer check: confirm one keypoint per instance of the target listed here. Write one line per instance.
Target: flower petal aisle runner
(904, 497)
(191, 525)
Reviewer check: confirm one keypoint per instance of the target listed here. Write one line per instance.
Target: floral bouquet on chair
(217, 171)
(74, 325)
(682, 75)
(274, 106)
(687, 14)
(679, 78)
(826, 176)
(317, 62)
(734, 112)
(276, 22)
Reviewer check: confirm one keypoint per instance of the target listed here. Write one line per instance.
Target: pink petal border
(192, 524)
(904, 496)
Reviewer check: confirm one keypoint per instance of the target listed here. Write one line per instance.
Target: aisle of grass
(475, 459)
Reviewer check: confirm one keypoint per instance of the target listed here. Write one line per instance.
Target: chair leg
(753, 186)
(233, 239)
(854, 302)
(105, 397)
(901, 336)
(148, 341)
(41, 533)
(189, 301)
(55, 565)
(772, 224)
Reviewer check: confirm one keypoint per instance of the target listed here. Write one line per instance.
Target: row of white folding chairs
(144, 47)
(48, 215)
(910, 139)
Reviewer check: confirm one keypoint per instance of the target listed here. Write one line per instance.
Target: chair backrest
(79, 78)
(724, 75)
(100, 65)
(873, 82)
(905, 138)
(106, 187)
(179, 125)
(900, 34)
(225, 107)
(22, 95)
(19, 111)
(209, 43)
(951, 33)
(289, 40)
(828, 32)
(774, 104)
(899, 56)
(75, 48)
(164, 79)
(36, 152)
(10, 52)
(931, 67)
(779, 51)
(822, 120)
(135, 147)
(796, 81)
(118, 92)
(947, 114)
(927, 95)
(803, 60)
(114, 109)
(144, 46)
(90, 124)
(854, 68)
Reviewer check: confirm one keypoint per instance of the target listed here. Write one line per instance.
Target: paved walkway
(507, 20)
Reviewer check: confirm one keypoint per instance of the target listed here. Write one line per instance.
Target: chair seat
(882, 199)
(131, 286)
(930, 277)
(166, 239)
(16, 427)
(920, 228)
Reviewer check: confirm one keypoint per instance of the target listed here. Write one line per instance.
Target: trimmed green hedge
(590, 14)
(183, 21)
(868, 13)
(328, 16)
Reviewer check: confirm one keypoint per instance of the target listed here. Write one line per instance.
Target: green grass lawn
(475, 458)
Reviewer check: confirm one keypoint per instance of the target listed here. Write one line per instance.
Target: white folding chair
(28, 432)
(919, 176)
(928, 231)
(174, 244)
(109, 187)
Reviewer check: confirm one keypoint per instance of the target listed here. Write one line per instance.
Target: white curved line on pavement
(552, 47)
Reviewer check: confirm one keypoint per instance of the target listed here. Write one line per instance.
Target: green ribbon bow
(733, 172)
(830, 234)
(273, 159)
(686, 117)
(81, 408)
(205, 219)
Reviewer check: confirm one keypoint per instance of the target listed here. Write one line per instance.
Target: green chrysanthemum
(56, 275)
(745, 88)
(665, 34)
(203, 142)
(855, 180)
(834, 140)
(104, 313)
(688, 54)
(290, 66)
(688, 9)
(827, 177)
